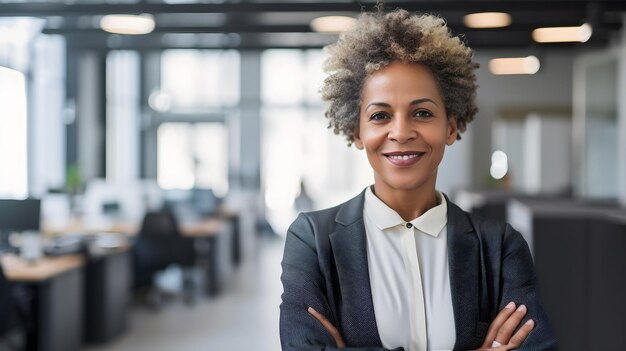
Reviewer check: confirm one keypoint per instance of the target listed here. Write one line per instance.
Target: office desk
(214, 240)
(238, 235)
(56, 285)
(214, 245)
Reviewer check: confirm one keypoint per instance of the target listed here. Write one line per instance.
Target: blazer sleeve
(303, 287)
(519, 284)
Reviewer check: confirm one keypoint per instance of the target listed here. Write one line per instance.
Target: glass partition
(596, 133)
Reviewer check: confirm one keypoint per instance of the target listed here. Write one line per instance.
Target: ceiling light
(514, 65)
(332, 24)
(128, 24)
(563, 34)
(487, 20)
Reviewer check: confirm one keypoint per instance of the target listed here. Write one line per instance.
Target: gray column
(247, 164)
(150, 81)
(90, 115)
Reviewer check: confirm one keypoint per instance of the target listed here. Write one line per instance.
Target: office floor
(243, 317)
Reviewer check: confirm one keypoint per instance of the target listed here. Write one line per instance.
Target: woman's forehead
(401, 81)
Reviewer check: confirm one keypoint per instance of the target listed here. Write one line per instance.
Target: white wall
(455, 169)
(547, 165)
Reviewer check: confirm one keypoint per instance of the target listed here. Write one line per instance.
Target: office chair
(159, 245)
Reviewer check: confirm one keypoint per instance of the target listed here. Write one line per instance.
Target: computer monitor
(18, 216)
(107, 202)
(205, 201)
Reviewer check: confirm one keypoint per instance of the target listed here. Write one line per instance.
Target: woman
(400, 266)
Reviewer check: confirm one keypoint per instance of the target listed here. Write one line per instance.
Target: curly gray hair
(379, 38)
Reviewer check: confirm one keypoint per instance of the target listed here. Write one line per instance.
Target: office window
(283, 77)
(200, 79)
(13, 134)
(291, 77)
(193, 155)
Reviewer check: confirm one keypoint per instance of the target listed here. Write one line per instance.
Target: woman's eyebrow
(379, 104)
(419, 101)
(414, 102)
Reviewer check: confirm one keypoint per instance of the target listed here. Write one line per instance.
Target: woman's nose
(401, 130)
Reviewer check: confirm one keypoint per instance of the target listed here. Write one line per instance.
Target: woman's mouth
(404, 159)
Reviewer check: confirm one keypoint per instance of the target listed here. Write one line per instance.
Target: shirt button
(409, 225)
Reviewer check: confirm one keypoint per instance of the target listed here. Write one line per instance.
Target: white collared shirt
(409, 276)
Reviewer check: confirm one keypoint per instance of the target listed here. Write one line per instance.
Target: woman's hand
(500, 335)
(331, 328)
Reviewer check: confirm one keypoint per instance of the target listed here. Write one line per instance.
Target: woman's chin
(404, 185)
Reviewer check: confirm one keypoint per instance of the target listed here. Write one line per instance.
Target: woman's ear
(357, 139)
(453, 130)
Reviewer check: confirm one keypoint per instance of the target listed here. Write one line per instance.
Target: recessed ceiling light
(487, 20)
(514, 65)
(332, 24)
(563, 34)
(128, 24)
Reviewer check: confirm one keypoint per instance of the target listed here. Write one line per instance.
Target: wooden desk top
(78, 226)
(204, 228)
(18, 270)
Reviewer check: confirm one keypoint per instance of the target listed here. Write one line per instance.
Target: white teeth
(403, 157)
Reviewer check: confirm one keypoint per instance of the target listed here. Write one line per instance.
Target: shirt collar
(384, 217)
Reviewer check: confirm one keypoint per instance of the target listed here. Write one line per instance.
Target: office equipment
(18, 216)
(205, 201)
(180, 203)
(64, 245)
(107, 202)
(56, 212)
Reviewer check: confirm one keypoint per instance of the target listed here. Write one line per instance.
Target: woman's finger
(329, 326)
(502, 316)
(506, 330)
(519, 337)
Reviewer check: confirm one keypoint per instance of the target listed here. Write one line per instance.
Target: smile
(404, 159)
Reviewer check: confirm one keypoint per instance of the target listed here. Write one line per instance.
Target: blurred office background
(149, 170)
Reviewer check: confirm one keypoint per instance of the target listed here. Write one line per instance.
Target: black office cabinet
(107, 295)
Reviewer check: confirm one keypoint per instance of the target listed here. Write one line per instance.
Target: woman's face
(403, 127)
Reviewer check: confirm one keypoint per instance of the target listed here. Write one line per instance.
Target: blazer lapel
(356, 308)
(466, 275)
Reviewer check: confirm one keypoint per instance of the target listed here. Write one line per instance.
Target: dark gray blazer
(325, 267)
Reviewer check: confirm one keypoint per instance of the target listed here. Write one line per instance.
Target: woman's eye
(378, 117)
(423, 114)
